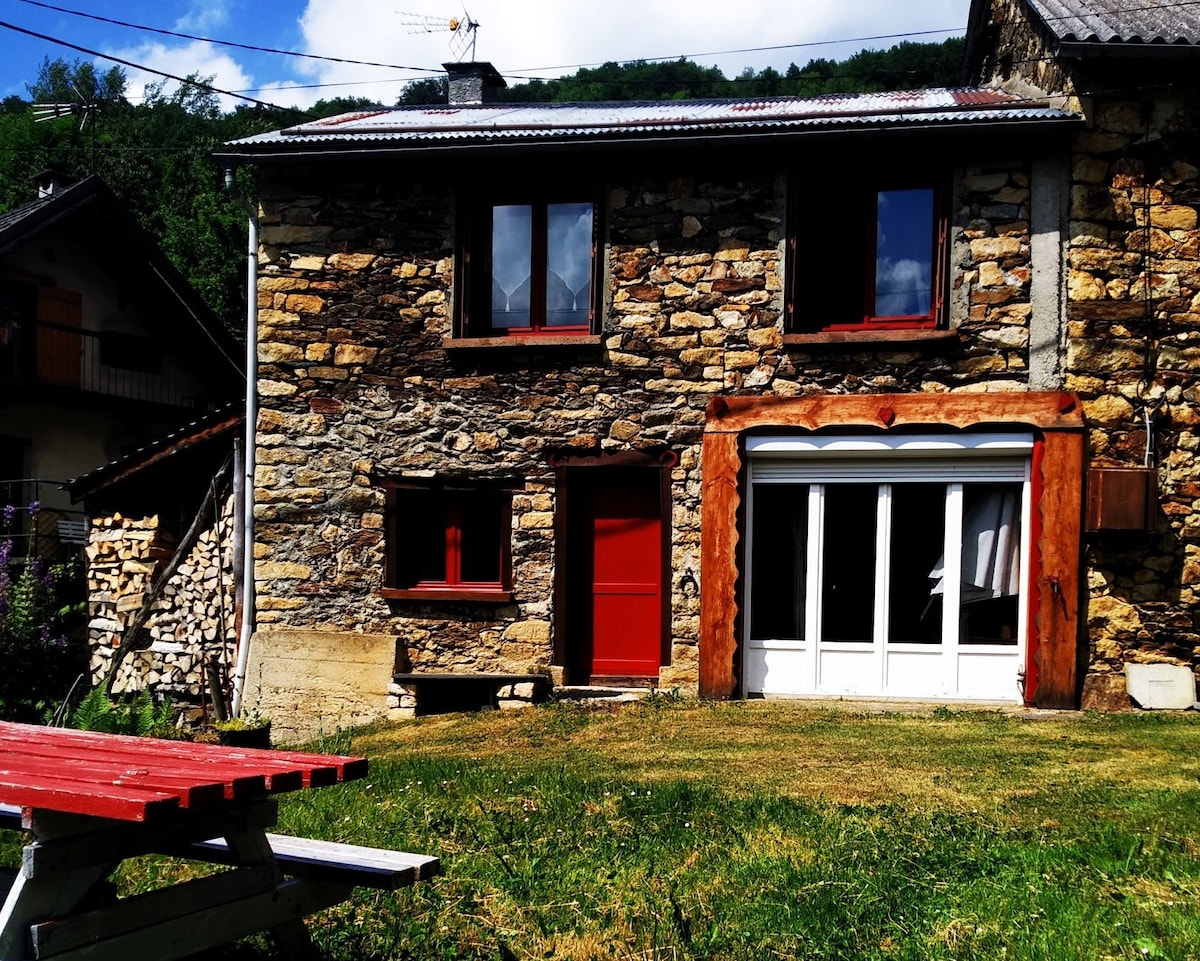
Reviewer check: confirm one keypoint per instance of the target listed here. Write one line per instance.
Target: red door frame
(574, 469)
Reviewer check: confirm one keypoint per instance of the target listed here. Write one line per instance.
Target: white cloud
(520, 35)
(201, 59)
(203, 16)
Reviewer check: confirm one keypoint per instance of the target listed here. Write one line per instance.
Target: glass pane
(421, 551)
(848, 562)
(780, 537)
(991, 564)
(917, 539)
(568, 264)
(479, 518)
(512, 253)
(904, 253)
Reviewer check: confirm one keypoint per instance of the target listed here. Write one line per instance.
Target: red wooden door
(621, 530)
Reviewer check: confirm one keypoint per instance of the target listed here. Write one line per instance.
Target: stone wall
(193, 621)
(359, 383)
(1133, 354)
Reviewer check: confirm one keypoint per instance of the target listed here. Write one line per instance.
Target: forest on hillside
(156, 153)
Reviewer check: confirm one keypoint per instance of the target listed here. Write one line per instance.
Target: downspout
(243, 648)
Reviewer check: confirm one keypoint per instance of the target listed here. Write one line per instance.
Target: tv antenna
(84, 109)
(462, 30)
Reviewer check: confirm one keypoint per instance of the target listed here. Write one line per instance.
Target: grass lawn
(769, 830)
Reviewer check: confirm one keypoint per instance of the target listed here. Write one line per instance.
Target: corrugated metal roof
(1121, 21)
(631, 120)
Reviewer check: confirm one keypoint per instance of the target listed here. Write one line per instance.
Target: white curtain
(991, 551)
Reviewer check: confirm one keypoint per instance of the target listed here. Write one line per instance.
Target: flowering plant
(35, 612)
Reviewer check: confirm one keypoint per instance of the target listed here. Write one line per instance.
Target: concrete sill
(868, 338)
(522, 343)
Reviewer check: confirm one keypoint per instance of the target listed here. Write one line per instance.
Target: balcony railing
(110, 363)
(33, 519)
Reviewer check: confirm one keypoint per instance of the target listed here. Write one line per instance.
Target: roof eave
(384, 149)
(1091, 49)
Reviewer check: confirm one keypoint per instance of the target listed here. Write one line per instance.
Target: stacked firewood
(192, 623)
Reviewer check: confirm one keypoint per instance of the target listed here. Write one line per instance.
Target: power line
(223, 43)
(138, 66)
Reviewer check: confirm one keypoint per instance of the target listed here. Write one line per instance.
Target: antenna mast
(85, 110)
(462, 30)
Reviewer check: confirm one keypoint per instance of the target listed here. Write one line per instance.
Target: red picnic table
(91, 800)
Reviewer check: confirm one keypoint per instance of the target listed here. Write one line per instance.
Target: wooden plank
(234, 786)
(109, 842)
(199, 930)
(335, 861)
(191, 793)
(719, 500)
(1050, 410)
(1059, 585)
(282, 770)
(201, 894)
(107, 801)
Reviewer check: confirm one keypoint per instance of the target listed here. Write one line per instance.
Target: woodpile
(193, 621)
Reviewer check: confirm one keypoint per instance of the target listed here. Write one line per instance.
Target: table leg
(35, 899)
(291, 937)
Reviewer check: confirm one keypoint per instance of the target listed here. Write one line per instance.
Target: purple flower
(9, 513)
(34, 507)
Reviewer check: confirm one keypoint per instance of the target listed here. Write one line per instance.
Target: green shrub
(138, 715)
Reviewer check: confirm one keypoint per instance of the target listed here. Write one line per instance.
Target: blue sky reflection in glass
(904, 253)
(568, 264)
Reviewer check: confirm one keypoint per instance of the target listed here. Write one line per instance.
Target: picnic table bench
(92, 800)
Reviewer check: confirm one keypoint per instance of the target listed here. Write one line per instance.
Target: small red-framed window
(528, 263)
(449, 544)
(871, 257)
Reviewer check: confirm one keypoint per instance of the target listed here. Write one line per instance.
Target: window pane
(479, 517)
(917, 539)
(780, 536)
(904, 253)
(991, 563)
(848, 562)
(512, 253)
(421, 547)
(568, 264)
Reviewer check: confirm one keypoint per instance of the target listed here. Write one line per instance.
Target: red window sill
(523, 341)
(860, 336)
(497, 596)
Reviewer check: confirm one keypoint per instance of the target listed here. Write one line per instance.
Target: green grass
(770, 830)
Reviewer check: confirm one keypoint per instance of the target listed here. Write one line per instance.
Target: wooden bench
(303, 858)
(437, 693)
(333, 861)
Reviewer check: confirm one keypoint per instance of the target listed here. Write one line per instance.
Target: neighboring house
(758, 398)
(103, 346)
(142, 508)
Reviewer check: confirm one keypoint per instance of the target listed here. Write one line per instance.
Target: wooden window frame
(860, 233)
(453, 587)
(473, 245)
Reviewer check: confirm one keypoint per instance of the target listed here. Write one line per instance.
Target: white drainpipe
(243, 649)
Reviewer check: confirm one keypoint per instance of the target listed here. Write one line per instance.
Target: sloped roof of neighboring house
(199, 432)
(463, 127)
(1121, 21)
(121, 243)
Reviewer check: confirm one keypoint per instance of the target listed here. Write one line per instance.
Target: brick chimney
(473, 82)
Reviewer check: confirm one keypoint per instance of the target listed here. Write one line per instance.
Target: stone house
(765, 398)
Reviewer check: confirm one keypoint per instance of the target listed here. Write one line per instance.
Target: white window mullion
(812, 575)
(883, 588)
(952, 586)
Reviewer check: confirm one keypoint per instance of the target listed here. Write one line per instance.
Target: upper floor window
(871, 256)
(528, 265)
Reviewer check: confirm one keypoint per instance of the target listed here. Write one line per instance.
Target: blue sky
(523, 38)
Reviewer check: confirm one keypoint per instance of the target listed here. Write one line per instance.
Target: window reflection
(568, 263)
(512, 252)
(904, 253)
